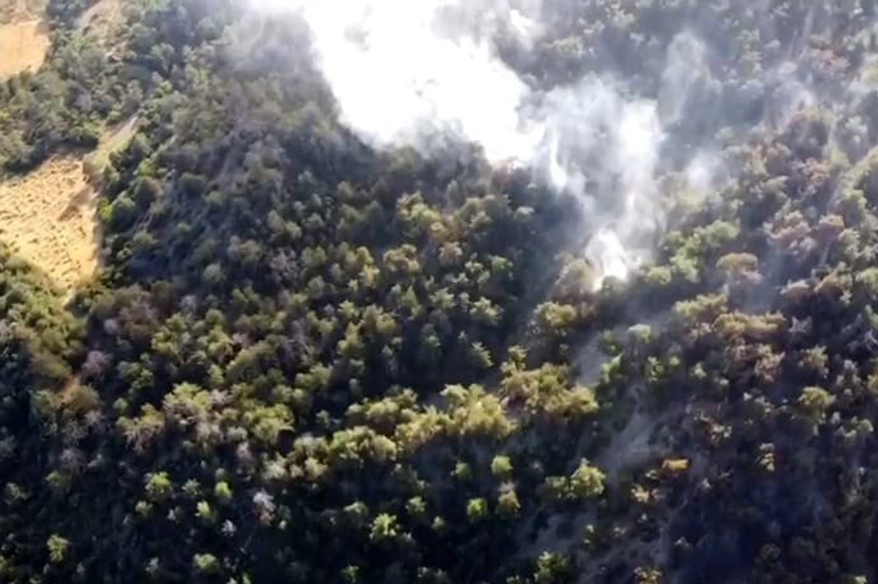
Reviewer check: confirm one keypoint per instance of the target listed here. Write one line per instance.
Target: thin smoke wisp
(419, 73)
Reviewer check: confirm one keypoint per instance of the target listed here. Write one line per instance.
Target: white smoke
(791, 95)
(605, 149)
(701, 173)
(684, 71)
(414, 72)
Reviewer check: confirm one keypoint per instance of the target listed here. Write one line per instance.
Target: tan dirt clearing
(23, 47)
(48, 218)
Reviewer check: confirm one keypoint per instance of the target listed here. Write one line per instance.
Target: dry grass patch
(24, 36)
(48, 216)
(23, 47)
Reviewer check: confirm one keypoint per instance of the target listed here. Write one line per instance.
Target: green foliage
(159, 486)
(476, 510)
(310, 361)
(553, 568)
(508, 505)
(65, 103)
(501, 466)
(384, 528)
(587, 481)
(205, 563)
(556, 318)
(58, 548)
(548, 392)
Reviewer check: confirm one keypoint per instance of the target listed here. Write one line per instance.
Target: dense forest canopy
(508, 292)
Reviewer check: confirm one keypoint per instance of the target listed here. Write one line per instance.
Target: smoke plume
(421, 73)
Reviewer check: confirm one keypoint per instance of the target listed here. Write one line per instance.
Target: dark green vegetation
(307, 361)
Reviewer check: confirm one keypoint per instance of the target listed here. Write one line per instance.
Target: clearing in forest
(48, 216)
(23, 47)
(24, 37)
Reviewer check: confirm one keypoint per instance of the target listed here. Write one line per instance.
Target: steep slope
(315, 357)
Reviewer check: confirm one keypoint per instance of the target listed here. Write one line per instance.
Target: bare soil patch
(23, 47)
(48, 216)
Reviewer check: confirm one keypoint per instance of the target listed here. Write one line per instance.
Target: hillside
(24, 37)
(501, 291)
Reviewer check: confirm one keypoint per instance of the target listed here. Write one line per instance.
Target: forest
(310, 357)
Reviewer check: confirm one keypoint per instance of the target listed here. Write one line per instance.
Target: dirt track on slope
(102, 20)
